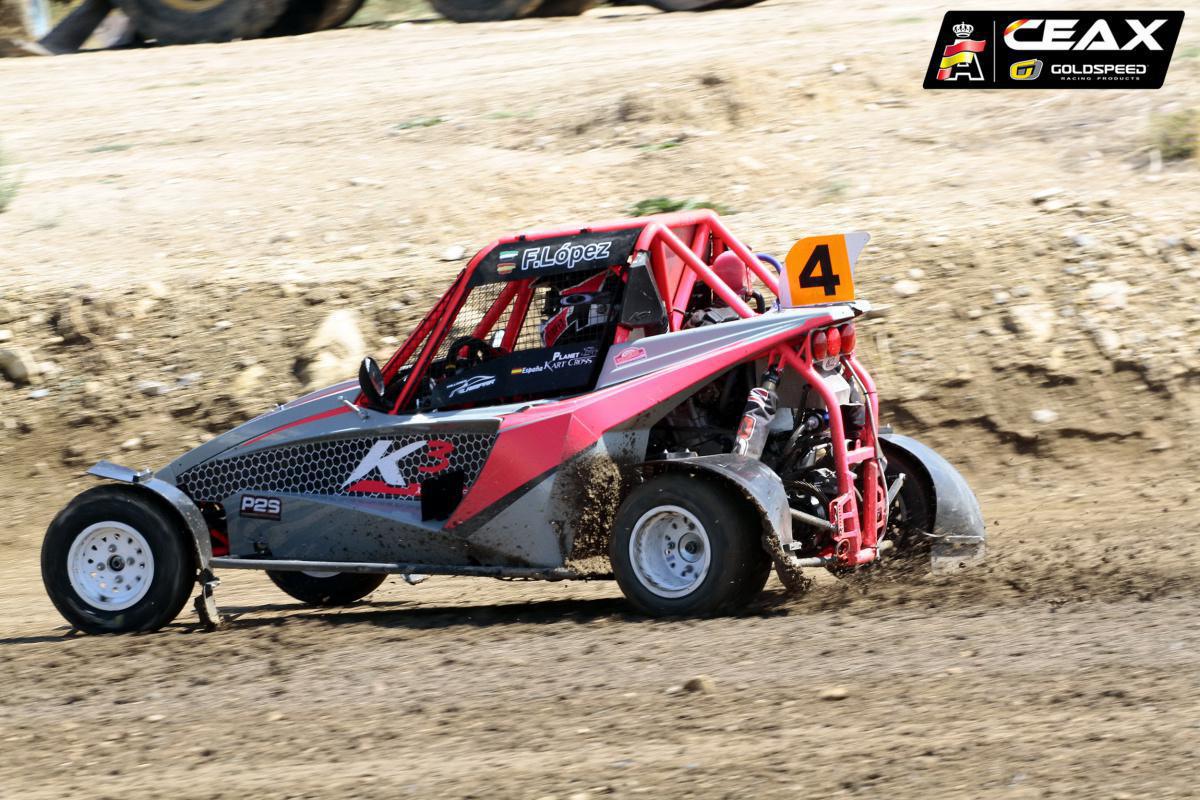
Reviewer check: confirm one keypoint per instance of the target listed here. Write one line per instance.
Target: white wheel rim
(670, 551)
(110, 566)
(313, 573)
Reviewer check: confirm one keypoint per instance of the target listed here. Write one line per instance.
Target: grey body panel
(958, 520)
(317, 528)
(752, 478)
(669, 349)
(188, 512)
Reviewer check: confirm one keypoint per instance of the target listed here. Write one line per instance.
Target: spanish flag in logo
(961, 52)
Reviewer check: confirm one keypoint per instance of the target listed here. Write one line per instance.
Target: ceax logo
(1025, 70)
(961, 59)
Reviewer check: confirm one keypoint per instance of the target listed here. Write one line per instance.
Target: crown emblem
(962, 30)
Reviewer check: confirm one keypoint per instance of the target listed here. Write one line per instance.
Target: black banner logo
(1053, 50)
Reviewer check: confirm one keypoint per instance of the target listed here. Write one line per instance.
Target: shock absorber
(756, 419)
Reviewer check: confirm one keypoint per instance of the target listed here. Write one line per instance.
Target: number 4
(825, 279)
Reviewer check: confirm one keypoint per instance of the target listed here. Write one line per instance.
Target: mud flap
(958, 529)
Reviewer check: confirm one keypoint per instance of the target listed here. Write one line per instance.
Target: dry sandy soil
(187, 216)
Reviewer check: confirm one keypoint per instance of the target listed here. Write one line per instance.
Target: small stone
(751, 163)
(152, 388)
(1001, 297)
(906, 287)
(155, 718)
(38, 394)
(1044, 416)
(700, 684)
(134, 443)
(916, 273)
(275, 716)
(157, 290)
(837, 68)
(17, 365)
(834, 693)
(318, 295)
(454, 253)
(1109, 294)
(5, 335)
(222, 325)
(937, 240)
(974, 313)
(367, 182)
(1033, 321)
(1043, 195)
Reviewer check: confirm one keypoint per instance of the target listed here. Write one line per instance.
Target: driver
(579, 309)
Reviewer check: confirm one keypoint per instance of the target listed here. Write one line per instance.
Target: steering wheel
(478, 351)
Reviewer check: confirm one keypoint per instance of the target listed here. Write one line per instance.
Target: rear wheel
(564, 8)
(910, 517)
(327, 588)
(194, 21)
(684, 5)
(114, 561)
(309, 16)
(484, 10)
(683, 545)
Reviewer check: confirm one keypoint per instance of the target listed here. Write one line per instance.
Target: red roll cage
(677, 245)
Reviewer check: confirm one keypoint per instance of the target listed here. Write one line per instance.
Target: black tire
(564, 8)
(484, 10)
(338, 589)
(738, 564)
(195, 21)
(911, 513)
(170, 580)
(684, 5)
(310, 16)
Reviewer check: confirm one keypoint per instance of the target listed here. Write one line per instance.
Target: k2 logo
(392, 464)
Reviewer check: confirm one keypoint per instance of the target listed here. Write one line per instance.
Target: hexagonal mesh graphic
(326, 467)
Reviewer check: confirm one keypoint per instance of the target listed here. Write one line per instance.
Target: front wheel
(195, 21)
(684, 545)
(327, 588)
(484, 10)
(114, 561)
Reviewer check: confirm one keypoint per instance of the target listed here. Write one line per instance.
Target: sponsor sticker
(260, 507)
(629, 355)
(1053, 49)
(468, 385)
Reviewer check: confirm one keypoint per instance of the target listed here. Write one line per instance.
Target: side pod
(753, 479)
(957, 521)
(145, 481)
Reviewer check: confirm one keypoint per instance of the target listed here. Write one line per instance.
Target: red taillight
(835, 342)
(819, 346)
(848, 337)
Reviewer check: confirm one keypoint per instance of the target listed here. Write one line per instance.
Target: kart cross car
(645, 400)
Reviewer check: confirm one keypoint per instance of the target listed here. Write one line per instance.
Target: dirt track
(246, 177)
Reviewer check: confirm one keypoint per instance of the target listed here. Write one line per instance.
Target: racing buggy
(646, 400)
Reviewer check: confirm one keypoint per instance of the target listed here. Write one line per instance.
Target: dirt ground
(187, 216)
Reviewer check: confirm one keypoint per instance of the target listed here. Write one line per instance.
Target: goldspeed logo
(1025, 70)
(1053, 49)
